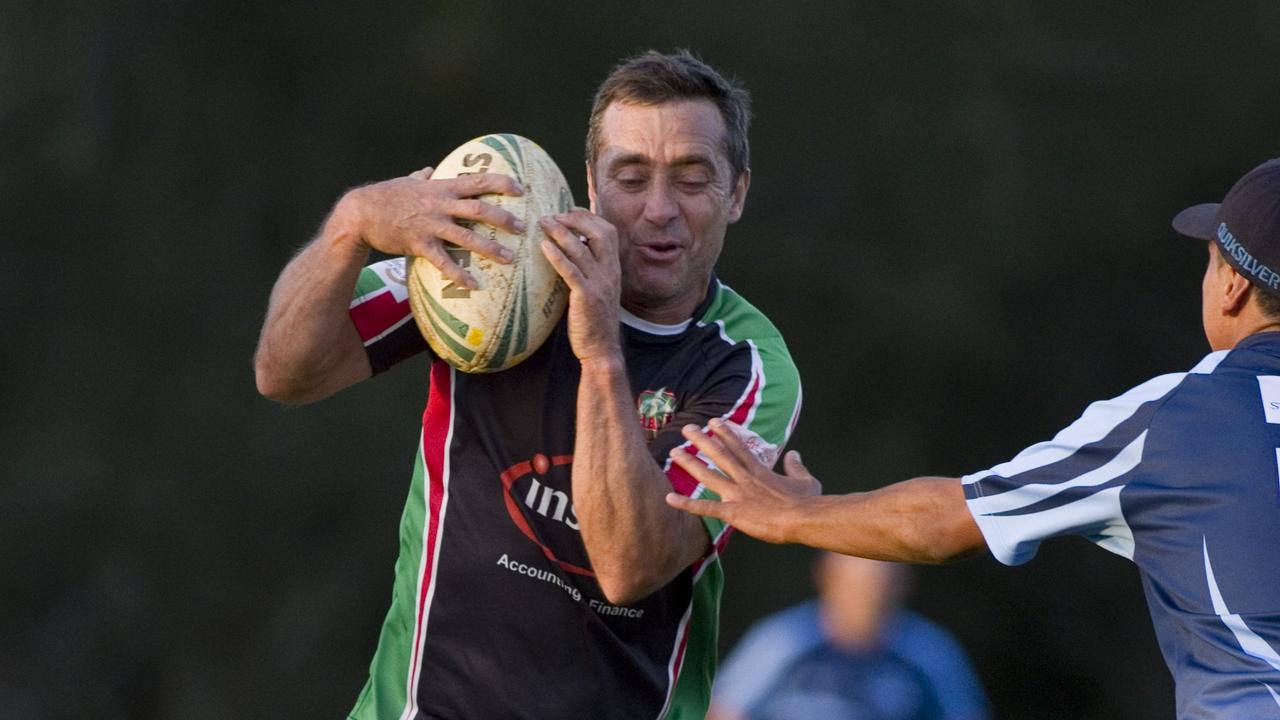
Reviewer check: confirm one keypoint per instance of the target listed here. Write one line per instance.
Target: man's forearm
(635, 541)
(308, 348)
(922, 520)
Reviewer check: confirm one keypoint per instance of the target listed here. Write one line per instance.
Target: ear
(738, 199)
(1236, 294)
(591, 189)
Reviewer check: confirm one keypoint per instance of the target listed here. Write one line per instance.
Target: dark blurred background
(959, 218)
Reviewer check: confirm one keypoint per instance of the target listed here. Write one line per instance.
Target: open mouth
(660, 252)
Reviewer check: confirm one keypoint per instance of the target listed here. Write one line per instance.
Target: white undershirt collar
(652, 328)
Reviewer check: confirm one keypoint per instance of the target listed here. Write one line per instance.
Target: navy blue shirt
(1181, 475)
(786, 667)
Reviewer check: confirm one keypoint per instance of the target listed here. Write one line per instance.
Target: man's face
(662, 178)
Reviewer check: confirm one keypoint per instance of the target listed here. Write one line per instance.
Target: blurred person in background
(852, 653)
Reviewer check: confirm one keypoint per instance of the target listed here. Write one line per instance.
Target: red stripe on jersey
(684, 483)
(748, 402)
(436, 420)
(718, 545)
(681, 481)
(378, 314)
(509, 477)
(677, 663)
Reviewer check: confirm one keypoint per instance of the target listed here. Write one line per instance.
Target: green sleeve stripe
(367, 283)
(780, 394)
(692, 693)
(385, 694)
(714, 526)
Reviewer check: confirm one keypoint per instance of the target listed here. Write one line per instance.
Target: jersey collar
(638, 323)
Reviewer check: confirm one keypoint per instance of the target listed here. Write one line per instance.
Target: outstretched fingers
(723, 445)
(717, 482)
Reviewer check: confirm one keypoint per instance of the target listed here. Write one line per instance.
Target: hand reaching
(752, 496)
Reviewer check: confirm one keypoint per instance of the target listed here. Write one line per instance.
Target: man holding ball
(541, 574)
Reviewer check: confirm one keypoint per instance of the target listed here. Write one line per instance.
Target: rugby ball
(518, 304)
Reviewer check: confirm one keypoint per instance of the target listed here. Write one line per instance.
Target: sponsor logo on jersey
(530, 494)
(1269, 386)
(545, 576)
(655, 407)
(395, 272)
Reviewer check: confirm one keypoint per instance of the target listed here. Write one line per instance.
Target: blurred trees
(958, 217)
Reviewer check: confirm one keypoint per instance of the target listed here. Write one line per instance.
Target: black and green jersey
(495, 611)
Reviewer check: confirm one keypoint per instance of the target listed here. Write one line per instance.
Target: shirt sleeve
(759, 389)
(764, 655)
(943, 661)
(1071, 484)
(381, 313)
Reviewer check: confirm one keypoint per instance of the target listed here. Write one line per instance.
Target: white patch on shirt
(1269, 386)
(1278, 469)
(763, 450)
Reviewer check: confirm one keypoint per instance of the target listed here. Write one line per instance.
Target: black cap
(1245, 225)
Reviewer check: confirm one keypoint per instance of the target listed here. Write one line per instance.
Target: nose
(660, 205)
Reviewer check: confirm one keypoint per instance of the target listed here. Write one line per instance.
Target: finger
(793, 467)
(434, 253)
(708, 508)
(570, 243)
(596, 232)
(565, 267)
(731, 436)
(716, 447)
(423, 174)
(475, 242)
(803, 481)
(484, 183)
(715, 480)
(476, 210)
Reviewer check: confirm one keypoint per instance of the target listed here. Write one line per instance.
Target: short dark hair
(652, 78)
(1268, 303)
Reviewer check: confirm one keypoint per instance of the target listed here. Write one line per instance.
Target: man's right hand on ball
(416, 215)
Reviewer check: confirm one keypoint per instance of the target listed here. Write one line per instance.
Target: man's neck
(1249, 324)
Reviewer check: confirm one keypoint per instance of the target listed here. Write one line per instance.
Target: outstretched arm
(309, 348)
(922, 520)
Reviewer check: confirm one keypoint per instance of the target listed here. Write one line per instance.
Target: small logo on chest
(1269, 387)
(655, 408)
